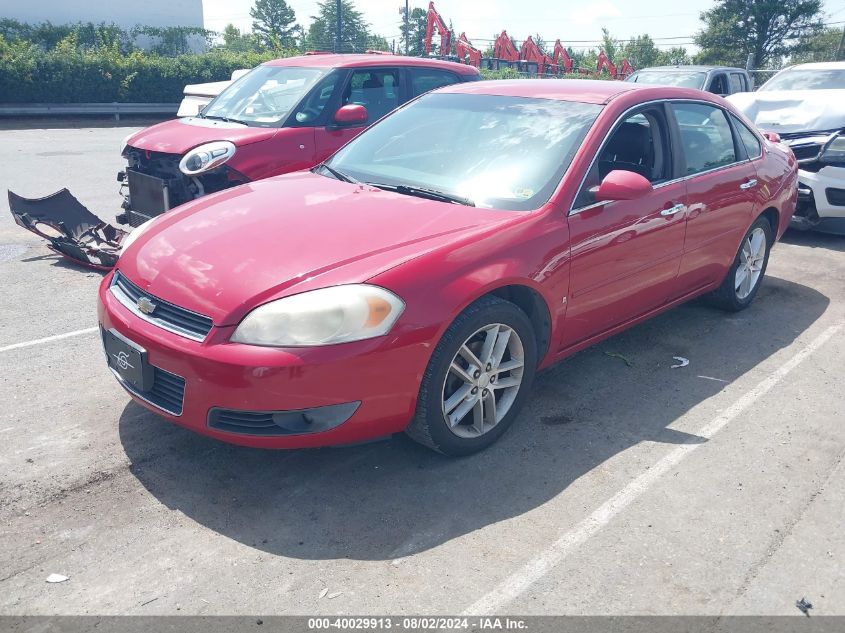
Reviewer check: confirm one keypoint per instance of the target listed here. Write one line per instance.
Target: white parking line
(520, 581)
(49, 339)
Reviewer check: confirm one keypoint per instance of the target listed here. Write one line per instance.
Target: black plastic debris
(71, 230)
(804, 606)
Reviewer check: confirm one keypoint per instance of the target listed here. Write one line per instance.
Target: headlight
(834, 151)
(125, 141)
(339, 314)
(206, 157)
(134, 235)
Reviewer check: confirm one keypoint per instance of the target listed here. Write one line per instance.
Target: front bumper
(821, 200)
(382, 374)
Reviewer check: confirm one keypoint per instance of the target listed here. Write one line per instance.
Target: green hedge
(66, 74)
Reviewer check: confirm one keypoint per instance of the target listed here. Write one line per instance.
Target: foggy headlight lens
(340, 314)
(206, 157)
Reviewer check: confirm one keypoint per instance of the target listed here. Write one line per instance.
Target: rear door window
(753, 147)
(425, 79)
(706, 137)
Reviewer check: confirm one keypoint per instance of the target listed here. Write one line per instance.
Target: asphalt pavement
(716, 488)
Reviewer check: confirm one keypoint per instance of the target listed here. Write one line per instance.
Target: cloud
(592, 13)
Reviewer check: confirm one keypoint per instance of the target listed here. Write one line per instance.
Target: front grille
(165, 315)
(836, 197)
(806, 152)
(167, 392)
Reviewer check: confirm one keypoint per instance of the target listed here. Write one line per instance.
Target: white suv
(805, 105)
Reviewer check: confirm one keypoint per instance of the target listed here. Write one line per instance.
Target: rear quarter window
(426, 79)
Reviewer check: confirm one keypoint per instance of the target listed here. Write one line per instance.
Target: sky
(576, 23)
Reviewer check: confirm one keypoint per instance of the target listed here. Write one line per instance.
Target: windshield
(264, 96)
(680, 78)
(805, 79)
(491, 151)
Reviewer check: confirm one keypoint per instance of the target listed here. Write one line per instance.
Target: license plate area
(128, 360)
(148, 194)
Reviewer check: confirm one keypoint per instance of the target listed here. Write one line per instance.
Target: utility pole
(338, 29)
(840, 52)
(407, 47)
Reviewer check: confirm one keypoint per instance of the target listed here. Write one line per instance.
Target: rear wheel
(746, 274)
(477, 379)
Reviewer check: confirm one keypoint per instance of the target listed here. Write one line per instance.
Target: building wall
(124, 13)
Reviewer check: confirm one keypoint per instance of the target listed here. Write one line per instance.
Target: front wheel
(746, 274)
(477, 379)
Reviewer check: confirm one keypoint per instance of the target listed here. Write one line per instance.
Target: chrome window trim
(118, 294)
(574, 211)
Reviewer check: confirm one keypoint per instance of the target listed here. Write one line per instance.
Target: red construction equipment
(561, 58)
(434, 20)
(530, 52)
(464, 49)
(603, 62)
(504, 50)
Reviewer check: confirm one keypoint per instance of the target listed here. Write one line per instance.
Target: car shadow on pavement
(814, 239)
(393, 498)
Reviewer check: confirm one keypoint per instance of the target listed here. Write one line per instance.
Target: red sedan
(418, 279)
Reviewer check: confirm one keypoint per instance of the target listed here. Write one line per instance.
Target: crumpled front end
(821, 188)
(153, 184)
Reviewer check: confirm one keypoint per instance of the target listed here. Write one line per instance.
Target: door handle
(749, 184)
(673, 210)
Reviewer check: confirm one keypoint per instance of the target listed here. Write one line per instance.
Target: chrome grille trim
(166, 315)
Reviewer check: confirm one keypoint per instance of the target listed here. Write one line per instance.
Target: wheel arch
(532, 303)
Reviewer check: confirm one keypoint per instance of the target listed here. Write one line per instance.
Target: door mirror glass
(352, 114)
(622, 185)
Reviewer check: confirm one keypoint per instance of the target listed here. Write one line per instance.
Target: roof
(692, 67)
(820, 66)
(596, 91)
(333, 60)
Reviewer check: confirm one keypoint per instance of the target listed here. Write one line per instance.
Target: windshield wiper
(338, 174)
(225, 119)
(422, 192)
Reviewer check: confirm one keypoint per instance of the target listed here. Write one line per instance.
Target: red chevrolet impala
(418, 279)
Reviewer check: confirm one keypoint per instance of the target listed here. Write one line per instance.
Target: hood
(228, 252)
(793, 111)
(180, 135)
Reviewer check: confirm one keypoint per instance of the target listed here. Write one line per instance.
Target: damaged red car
(418, 279)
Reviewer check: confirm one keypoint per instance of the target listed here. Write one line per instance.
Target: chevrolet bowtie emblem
(145, 305)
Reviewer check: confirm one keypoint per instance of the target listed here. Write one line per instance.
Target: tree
(642, 52)
(610, 45)
(766, 29)
(274, 23)
(354, 30)
(234, 40)
(417, 22)
(818, 47)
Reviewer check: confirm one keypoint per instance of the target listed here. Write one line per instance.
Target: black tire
(726, 297)
(429, 425)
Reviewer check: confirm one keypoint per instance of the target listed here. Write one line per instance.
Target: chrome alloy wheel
(483, 380)
(751, 259)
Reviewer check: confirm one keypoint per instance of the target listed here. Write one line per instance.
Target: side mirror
(772, 137)
(622, 185)
(351, 114)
